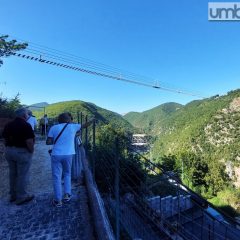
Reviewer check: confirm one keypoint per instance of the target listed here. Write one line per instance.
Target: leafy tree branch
(8, 48)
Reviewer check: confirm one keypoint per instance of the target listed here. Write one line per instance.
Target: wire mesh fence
(145, 202)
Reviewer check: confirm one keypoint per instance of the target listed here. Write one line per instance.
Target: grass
(221, 205)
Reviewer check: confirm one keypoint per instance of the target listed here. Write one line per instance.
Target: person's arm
(30, 144)
(49, 141)
(50, 138)
(88, 123)
(30, 138)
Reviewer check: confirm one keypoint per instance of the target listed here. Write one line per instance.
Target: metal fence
(155, 205)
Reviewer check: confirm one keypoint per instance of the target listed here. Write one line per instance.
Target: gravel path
(39, 219)
(40, 172)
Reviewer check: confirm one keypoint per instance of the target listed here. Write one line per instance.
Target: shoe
(25, 200)
(67, 197)
(56, 203)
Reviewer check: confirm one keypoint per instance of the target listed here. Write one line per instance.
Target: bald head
(29, 112)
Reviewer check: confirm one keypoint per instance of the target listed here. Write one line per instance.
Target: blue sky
(169, 41)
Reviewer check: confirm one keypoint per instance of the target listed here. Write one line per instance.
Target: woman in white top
(61, 157)
(62, 137)
(32, 120)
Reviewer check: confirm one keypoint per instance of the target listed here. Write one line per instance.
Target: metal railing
(127, 195)
(103, 228)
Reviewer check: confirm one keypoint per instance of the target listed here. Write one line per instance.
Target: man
(32, 120)
(19, 141)
(44, 124)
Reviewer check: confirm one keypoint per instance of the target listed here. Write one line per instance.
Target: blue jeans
(61, 165)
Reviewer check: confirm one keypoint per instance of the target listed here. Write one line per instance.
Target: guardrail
(128, 203)
(103, 228)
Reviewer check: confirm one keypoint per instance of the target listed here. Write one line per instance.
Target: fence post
(209, 232)
(192, 221)
(117, 189)
(225, 236)
(81, 121)
(93, 150)
(86, 135)
(45, 124)
(78, 119)
(179, 207)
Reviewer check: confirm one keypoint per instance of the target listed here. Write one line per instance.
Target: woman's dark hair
(64, 117)
(70, 115)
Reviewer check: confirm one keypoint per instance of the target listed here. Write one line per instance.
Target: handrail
(103, 228)
(191, 192)
(176, 183)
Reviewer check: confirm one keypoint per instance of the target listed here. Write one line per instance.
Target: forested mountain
(150, 121)
(201, 142)
(209, 126)
(38, 106)
(102, 115)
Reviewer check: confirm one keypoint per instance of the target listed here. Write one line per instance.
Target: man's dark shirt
(17, 132)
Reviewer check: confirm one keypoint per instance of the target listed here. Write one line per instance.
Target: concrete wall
(169, 206)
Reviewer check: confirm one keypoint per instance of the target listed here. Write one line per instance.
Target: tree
(168, 163)
(107, 150)
(8, 48)
(194, 168)
(216, 178)
(7, 107)
(200, 169)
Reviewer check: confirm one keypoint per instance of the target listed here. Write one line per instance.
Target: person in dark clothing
(44, 124)
(19, 141)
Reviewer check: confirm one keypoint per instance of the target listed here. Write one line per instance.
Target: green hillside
(102, 115)
(200, 141)
(38, 106)
(208, 126)
(151, 121)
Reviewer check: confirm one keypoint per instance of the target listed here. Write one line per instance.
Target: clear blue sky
(170, 41)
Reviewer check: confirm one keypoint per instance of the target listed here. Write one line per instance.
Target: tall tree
(216, 178)
(7, 107)
(8, 48)
(131, 171)
(194, 168)
(168, 163)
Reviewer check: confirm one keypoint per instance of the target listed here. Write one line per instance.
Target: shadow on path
(39, 219)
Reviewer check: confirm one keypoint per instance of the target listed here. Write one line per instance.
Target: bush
(8, 107)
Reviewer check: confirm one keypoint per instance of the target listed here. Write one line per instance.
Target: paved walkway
(38, 219)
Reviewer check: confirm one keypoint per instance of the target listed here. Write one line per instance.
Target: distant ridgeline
(204, 126)
(207, 130)
(151, 121)
(38, 106)
(102, 115)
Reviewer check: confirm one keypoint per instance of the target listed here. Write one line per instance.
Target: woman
(62, 137)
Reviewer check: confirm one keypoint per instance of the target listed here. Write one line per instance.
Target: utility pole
(45, 124)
